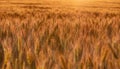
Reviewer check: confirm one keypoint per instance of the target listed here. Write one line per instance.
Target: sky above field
(57, 0)
(74, 2)
(67, 1)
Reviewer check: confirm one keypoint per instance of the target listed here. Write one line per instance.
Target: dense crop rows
(46, 39)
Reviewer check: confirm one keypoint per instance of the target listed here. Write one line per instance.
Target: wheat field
(60, 35)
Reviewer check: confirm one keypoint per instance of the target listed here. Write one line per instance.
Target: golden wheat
(59, 38)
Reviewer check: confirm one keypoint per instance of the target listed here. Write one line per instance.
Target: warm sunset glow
(59, 34)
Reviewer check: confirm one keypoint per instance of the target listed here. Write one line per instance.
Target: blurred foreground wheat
(44, 39)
